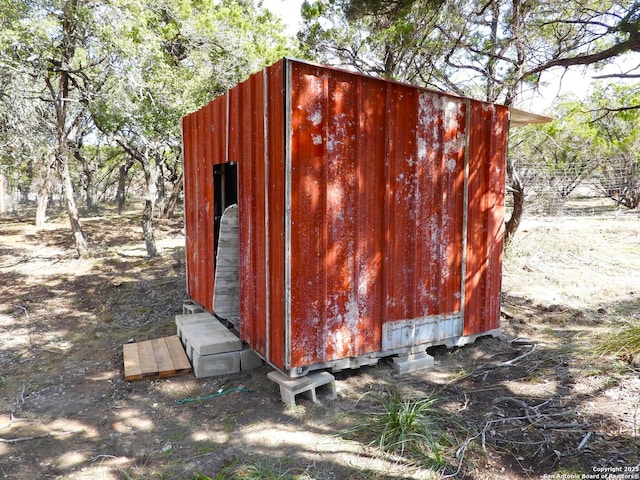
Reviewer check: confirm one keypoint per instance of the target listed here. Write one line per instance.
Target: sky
(288, 10)
(559, 82)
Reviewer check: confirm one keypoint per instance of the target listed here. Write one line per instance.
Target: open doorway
(225, 193)
(226, 289)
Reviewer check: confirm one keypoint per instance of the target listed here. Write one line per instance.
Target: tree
(170, 57)
(491, 49)
(52, 45)
(593, 142)
(130, 68)
(25, 125)
(60, 69)
(25, 131)
(557, 157)
(618, 141)
(600, 32)
(386, 39)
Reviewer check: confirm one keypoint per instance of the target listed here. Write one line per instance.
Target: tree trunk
(517, 191)
(162, 194)
(3, 195)
(89, 192)
(42, 197)
(147, 228)
(80, 238)
(89, 183)
(121, 195)
(173, 199)
(62, 162)
(150, 176)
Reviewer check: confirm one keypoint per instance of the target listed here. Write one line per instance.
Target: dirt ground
(556, 409)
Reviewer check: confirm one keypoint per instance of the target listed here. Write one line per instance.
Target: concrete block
(189, 319)
(188, 350)
(249, 359)
(412, 362)
(214, 365)
(210, 338)
(235, 321)
(307, 385)
(190, 307)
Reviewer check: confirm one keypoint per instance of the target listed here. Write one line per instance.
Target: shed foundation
(412, 362)
(308, 385)
(211, 347)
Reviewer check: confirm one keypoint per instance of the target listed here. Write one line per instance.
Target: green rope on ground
(182, 401)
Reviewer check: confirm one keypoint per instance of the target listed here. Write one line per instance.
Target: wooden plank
(226, 293)
(181, 363)
(148, 362)
(158, 358)
(132, 369)
(163, 358)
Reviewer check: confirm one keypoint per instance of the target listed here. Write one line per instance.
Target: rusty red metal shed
(371, 213)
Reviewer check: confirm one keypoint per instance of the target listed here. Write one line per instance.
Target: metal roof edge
(519, 118)
(388, 80)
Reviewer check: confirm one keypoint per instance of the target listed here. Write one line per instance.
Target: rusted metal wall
(246, 127)
(257, 113)
(199, 153)
(485, 224)
(370, 212)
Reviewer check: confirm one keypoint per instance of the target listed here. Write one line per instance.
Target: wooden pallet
(158, 358)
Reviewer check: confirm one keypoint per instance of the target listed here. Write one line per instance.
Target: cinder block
(214, 365)
(210, 338)
(249, 359)
(307, 385)
(188, 348)
(189, 319)
(191, 307)
(412, 362)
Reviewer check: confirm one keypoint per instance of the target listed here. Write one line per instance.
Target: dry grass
(624, 342)
(569, 283)
(403, 426)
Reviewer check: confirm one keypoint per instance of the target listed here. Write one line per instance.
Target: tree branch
(632, 44)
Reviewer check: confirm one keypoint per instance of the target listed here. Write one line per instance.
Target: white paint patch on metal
(418, 331)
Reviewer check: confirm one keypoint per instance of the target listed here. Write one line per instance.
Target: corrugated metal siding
(247, 113)
(351, 210)
(246, 127)
(274, 320)
(336, 237)
(256, 109)
(485, 230)
(198, 161)
(376, 209)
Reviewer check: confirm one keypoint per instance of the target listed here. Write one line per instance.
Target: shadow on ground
(514, 410)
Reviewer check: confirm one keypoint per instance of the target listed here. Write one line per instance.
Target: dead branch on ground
(34, 437)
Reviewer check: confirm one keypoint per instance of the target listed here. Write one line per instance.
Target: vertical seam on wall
(386, 209)
(355, 293)
(186, 210)
(265, 126)
(465, 213)
(226, 130)
(323, 334)
(287, 212)
(505, 153)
